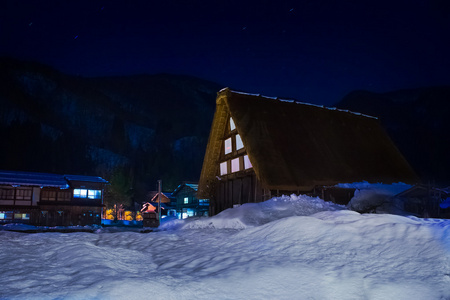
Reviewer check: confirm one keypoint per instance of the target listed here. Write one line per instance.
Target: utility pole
(159, 200)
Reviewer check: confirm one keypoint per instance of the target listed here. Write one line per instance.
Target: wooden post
(159, 199)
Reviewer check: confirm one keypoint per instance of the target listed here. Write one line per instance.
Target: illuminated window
(186, 200)
(247, 163)
(80, 193)
(232, 126)
(223, 168)
(94, 194)
(235, 165)
(20, 216)
(203, 201)
(6, 215)
(228, 146)
(239, 144)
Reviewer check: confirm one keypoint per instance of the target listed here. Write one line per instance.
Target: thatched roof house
(259, 145)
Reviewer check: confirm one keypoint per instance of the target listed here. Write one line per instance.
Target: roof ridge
(298, 102)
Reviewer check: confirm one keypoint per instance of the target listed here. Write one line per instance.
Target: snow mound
(294, 247)
(375, 198)
(257, 214)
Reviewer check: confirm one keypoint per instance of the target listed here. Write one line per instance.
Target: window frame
(232, 125)
(223, 168)
(239, 143)
(235, 162)
(80, 193)
(228, 146)
(94, 194)
(247, 162)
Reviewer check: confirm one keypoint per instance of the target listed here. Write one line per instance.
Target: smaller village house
(260, 147)
(182, 203)
(425, 201)
(168, 203)
(187, 203)
(49, 199)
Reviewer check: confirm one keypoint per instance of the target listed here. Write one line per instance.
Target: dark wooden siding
(238, 190)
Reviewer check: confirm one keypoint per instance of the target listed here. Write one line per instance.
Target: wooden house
(49, 199)
(187, 203)
(260, 147)
(425, 201)
(168, 202)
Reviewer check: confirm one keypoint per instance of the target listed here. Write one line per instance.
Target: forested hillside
(130, 130)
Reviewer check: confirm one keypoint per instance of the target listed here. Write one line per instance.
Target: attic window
(247, 163)
(232, 126)
(239, 144)
(235, 165)
(228, 146)
(223, 168)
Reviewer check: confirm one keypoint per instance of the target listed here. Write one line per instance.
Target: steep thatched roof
(296, 146)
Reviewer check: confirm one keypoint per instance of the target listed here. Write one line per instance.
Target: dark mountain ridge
(143, 127)
(134, 130)
(418, 121)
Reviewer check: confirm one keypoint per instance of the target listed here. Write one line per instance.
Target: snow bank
(285, 248)
(375, 197)
(257, 214)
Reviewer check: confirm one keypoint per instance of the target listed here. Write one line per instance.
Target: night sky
(313, 51)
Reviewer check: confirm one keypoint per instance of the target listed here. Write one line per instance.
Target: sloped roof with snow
(296, 146)
(165, 197)
(43, 179)
(85, 178)
(32, 179)
(193, 186)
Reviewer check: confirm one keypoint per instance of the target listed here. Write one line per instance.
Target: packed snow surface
(286, 248)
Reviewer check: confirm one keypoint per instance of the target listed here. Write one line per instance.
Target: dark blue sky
(313, 51)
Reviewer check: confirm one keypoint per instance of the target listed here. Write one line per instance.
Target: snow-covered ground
(286, 248)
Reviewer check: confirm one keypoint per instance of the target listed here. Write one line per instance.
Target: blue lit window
(94, 194)
(6, 215)
(90, 194)
(80, 193)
